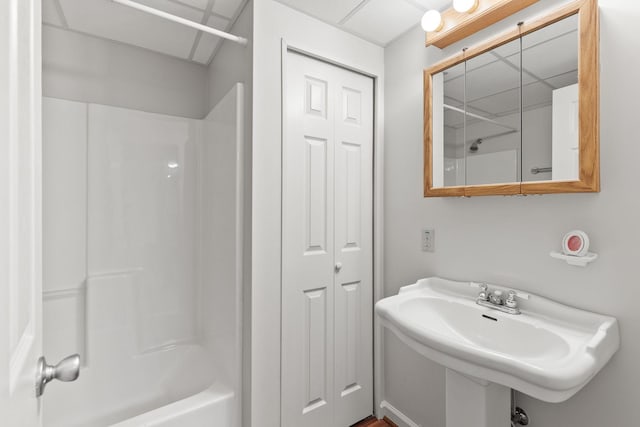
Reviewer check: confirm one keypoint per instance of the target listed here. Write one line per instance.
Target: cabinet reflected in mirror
(512, 116)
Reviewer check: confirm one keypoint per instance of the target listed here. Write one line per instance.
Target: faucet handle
(511, 300)
(484, 292)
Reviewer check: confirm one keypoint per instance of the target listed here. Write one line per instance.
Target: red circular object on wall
(574, 243)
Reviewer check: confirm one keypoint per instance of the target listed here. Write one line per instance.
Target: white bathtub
(211, 407)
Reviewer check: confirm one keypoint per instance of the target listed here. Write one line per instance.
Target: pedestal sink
(548, 351)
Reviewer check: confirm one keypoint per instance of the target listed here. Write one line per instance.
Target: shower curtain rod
(495, 135)
(476, 116)
(179, 20)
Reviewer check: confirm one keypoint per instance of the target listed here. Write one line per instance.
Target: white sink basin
(549, 351)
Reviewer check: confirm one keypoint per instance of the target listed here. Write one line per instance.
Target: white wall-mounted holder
(580, 261)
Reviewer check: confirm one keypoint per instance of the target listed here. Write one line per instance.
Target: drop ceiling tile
(173, 7)
(200, 4)
(480, 61)
(434, 4)
(552, 58)
(498, 104)
(332, 11)
(117, 22)
(207, 45)
(567, 25)
(454, 92)
(50, 14)
(226, 8)
(509, 49)
(383, 20)
(563, 80)
(218, 23)
(209, 42)
(491, 79)
(454, 73)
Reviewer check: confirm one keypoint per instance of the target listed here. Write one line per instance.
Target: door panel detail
(352, 330)
(316, 195)
(354, 198)
(315, 348)
(352, 106)
(316, 97)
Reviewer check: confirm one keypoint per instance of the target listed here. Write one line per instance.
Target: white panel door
(327, 301)
(353, 282)
(307, 246)
(565, 154)
(20, 211)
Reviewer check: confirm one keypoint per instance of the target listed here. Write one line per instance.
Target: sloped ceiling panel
(112, 21)
(208, 42)
(226, 8)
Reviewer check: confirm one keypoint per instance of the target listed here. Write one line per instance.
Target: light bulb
(432, 21)
(465, 6)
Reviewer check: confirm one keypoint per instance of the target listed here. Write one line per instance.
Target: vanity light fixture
(465, 17)
(465, 6)
(432, 21)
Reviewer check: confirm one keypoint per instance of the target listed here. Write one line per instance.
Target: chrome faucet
(496, 301)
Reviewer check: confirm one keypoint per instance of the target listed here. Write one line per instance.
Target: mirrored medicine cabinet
(517, 114)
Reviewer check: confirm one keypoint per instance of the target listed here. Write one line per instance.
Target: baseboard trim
(397, 415)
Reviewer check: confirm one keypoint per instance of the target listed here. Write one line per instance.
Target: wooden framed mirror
(518, 114)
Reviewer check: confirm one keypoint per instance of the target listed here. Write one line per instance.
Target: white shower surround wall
(143, 269)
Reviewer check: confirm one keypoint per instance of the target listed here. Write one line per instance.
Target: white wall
(507, 239)
(83, 68)
(272, 23)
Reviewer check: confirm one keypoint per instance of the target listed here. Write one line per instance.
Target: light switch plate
(428, 240)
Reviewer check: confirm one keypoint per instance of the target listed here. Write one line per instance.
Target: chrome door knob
(338, 267)
(67, 370)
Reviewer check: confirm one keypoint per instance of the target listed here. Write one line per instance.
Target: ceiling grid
(110, 21)
(204, 21)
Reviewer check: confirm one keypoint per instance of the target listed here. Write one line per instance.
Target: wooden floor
(373, 422)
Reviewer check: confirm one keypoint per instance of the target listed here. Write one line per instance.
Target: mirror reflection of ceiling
(549, 61)
(111, 21)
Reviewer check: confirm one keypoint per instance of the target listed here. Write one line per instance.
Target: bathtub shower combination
(143, 264)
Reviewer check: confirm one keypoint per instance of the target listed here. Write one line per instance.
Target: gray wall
(507, 240)
(83, 68)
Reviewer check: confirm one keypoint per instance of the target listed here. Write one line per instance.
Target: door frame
(377, 202)
(20, 209)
